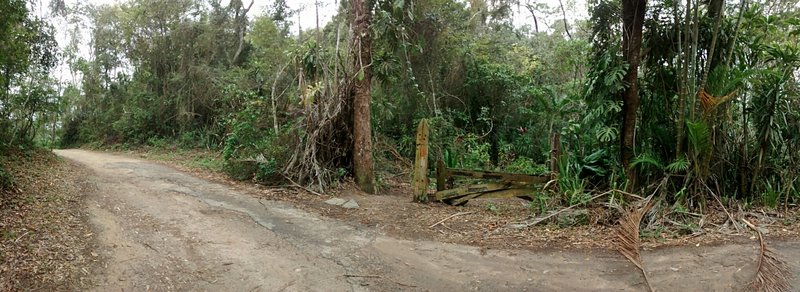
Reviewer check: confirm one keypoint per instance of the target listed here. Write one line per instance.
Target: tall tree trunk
(363, 165)
(683, 70)
(632, 23)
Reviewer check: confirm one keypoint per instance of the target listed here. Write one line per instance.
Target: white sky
(306, 17)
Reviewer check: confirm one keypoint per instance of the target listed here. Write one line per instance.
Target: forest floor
(46, 242)
(160, 228)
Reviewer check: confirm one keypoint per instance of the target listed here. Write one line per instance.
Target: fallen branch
(541, 219)
(301, 187)
(400, 157)
(449, 217)
(772, 272)
(362, 276)
(733, 221)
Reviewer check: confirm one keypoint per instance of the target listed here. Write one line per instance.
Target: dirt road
(161, 229)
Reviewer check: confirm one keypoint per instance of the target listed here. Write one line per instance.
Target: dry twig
(449, 217)
(301, 187)
(628, 234)
(773, 274)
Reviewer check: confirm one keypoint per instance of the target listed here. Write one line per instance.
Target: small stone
(336, 201)
(94, 254)
(350, 204)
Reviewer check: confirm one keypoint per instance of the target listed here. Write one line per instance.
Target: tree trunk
(683, 72)
(363, 166)
(241, 27)
(564, 13)
(632, 22)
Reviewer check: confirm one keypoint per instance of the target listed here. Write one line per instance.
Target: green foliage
(28, 102)
(570, 183)
(679, 165)
(647, 160)
(527, 166)
(539, 203)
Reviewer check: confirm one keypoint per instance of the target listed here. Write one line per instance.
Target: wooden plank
(507, 177)
(506, 193)
(420, 177)
(470, 189)
(461, 200)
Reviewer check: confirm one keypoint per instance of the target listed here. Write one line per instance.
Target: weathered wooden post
(441, 175)
(420, 177)
(555, 153)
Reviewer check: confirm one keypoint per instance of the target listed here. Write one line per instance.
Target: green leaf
(606, 134)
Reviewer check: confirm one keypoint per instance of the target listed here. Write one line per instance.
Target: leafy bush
(527, 166)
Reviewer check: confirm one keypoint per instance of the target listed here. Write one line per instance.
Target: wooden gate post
(555, 154)
(420, 178)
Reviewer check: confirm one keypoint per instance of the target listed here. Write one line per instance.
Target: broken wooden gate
(494, 184)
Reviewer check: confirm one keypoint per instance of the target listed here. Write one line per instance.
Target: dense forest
(687, 99)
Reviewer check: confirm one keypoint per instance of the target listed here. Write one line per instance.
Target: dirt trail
(161, 229)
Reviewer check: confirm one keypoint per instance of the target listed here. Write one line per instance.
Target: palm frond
(773, 274)
(628, 235)
(679, 165)
(647, 159)
(699, 136)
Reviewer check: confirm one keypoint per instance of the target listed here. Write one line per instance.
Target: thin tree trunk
(533, 13)
(363, 165)
(712, 47)
(564, 14)
(632, 24)
(742, 7)
(693, 61)
(273, 97)
(241, 27)
(682, 69)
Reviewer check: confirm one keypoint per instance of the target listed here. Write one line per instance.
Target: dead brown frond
(710, 102)
(773, 274)
(628, 235)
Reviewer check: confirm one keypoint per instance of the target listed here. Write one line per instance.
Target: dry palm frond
(709, 102)
(772, 273)
(628, 234)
